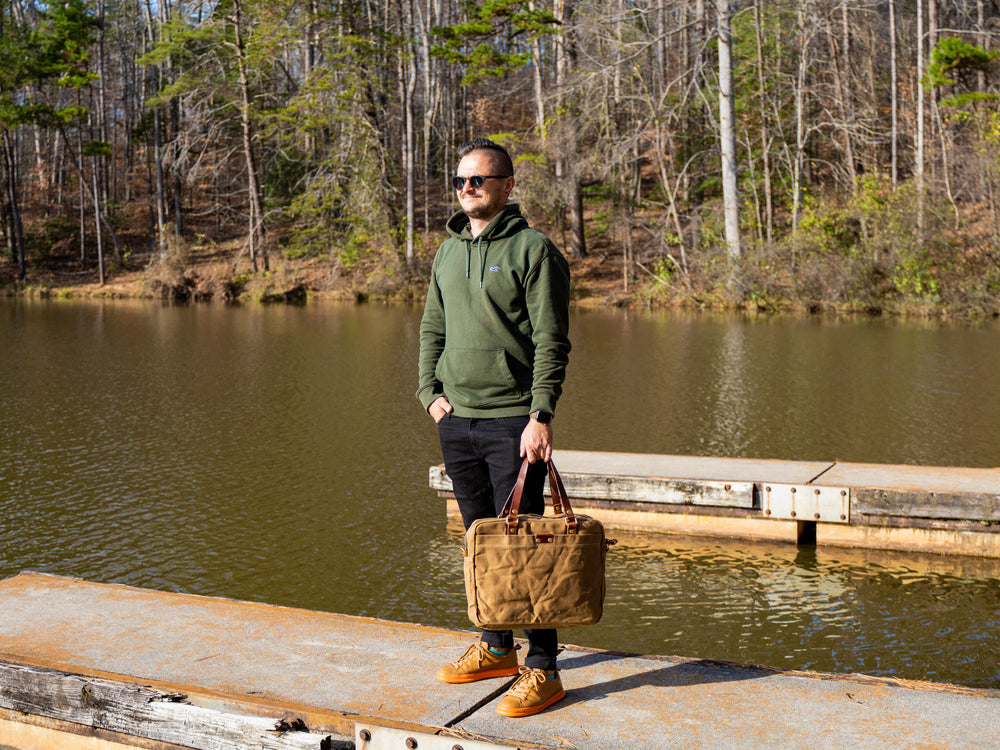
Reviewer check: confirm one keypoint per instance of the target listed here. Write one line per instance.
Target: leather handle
(513, 503)
(560, 500)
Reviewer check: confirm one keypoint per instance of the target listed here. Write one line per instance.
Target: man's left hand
(536, 442)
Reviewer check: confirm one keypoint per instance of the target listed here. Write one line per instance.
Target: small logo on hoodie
(494, 269)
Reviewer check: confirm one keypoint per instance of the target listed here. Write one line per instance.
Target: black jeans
(482, 458)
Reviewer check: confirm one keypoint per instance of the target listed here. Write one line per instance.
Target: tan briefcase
(531, 571)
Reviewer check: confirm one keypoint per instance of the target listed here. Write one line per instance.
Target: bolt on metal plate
(796, 502)
(368, 736)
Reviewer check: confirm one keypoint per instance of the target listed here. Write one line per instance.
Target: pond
(277, 454)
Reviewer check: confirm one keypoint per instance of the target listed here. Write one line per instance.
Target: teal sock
(498, 653)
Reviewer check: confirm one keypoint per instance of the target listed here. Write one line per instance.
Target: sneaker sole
(460, 679)
(517, 713)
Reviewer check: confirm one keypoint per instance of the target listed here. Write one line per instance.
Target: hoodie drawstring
(482, 258)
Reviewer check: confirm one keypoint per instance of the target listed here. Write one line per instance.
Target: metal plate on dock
(368, 736)
(793, 502)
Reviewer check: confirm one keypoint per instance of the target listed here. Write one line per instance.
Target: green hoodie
(493, 337)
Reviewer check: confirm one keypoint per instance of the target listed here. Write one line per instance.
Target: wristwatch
(542, 417)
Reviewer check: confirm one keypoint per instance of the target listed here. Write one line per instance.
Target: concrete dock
(87, 665)
(946, 510)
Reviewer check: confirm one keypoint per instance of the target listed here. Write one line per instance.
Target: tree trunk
(176, 184)
(14, 204)
(97, 220)
(983, 40)
(727, 132)
(839, 62)
(932, 38)
(894, 92)
(565, 62)
(919, 166)
(578, 246)
(256, 233)
(539, 87)
(159, 197)
(408, 89)
(800, 117)
(765, 139)
(102, 109)
(432, 99)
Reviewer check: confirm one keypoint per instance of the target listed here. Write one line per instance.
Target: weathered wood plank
(19, 731)
(660, 490)
(699, 468)
(940, 505)
(645, 489)
(144, 712)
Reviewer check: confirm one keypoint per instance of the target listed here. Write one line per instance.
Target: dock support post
(806, 533)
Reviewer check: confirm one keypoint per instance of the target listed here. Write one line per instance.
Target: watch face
(542, 417)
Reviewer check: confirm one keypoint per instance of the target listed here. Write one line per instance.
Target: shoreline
(596, 285)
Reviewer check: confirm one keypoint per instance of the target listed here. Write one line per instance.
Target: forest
(816, 155)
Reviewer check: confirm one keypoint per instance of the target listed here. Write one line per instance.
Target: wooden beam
(941, 505)
(140, 711)
(645, 489)
(31, 732)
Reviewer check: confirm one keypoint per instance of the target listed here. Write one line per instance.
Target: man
(493, 355)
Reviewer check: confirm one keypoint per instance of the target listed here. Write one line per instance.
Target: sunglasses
(476, 181)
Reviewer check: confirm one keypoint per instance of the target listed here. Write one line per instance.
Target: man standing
(493, 355)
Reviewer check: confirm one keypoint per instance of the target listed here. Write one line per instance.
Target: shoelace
(471, 652)
(530, 680)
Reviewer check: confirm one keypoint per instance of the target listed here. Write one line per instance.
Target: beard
(482, 211)
(486, 208)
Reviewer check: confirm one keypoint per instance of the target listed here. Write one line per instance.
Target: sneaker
(533, 692)
(479, 663)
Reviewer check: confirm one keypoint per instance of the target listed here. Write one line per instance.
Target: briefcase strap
(560, 500)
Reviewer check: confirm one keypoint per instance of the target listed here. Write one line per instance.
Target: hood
(509, 221)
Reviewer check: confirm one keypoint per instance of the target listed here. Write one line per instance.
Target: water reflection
(829, 610)
(870, 392)
(730, 400)
(278, 454)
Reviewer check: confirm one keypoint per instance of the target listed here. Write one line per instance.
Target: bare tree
(765, 137)
(894, 95)
(727, 131)
(565, 54)
(255, 233)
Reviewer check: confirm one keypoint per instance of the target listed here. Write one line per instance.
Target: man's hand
(439, 408)
(536, 442)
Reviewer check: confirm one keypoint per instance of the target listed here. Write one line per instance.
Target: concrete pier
(86, 665)
(948, 510)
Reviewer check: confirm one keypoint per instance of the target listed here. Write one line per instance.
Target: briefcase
(532, 571)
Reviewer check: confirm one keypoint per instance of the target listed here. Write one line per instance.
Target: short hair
(485, 144)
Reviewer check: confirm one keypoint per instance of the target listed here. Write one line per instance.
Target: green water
(277, 454)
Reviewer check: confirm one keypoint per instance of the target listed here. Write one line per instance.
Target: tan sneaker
(479, 663)
(533, 692)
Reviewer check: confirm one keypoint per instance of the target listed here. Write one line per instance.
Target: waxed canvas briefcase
(532, 571)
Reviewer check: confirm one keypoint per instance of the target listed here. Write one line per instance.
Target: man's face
(485, 202)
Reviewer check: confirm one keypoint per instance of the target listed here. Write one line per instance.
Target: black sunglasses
(477, 180)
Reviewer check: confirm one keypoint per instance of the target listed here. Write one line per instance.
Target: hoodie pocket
(478, 377)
